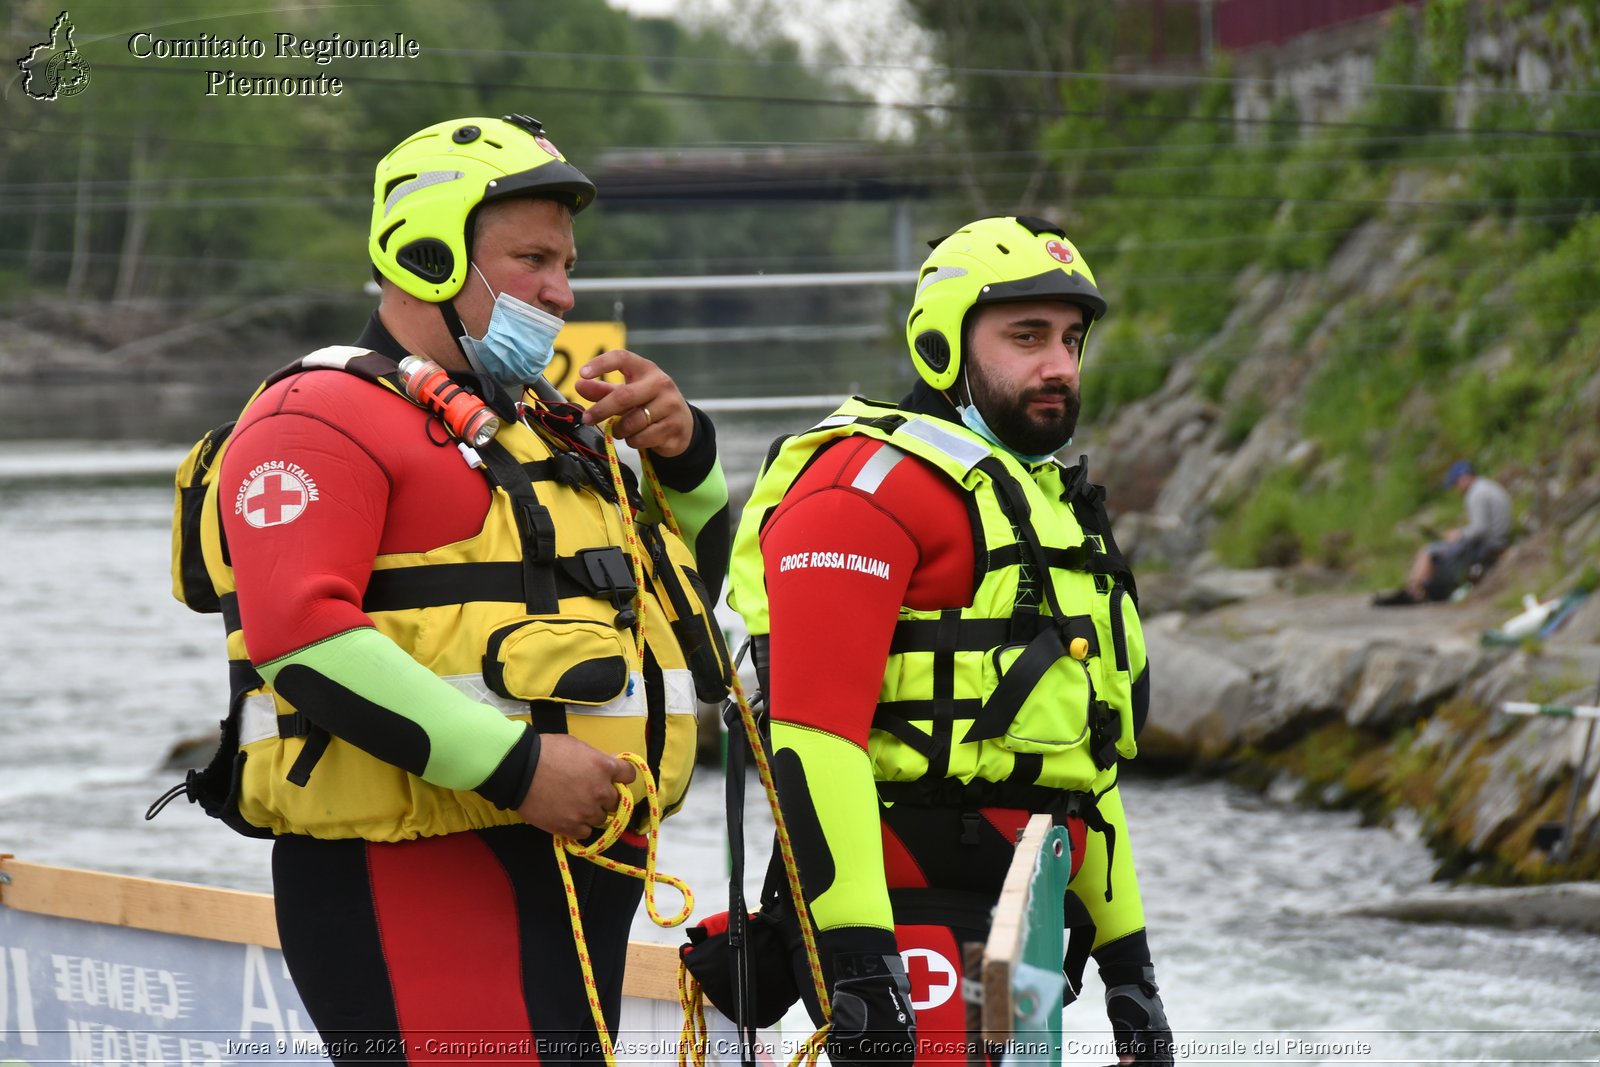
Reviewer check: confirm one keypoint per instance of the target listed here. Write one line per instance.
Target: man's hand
(1138, 1021)
(574, 787)
(651, 412)
(873, 1021)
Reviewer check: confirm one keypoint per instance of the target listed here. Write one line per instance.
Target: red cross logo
(1058, 251)
(274, 498)
(933, 978)
(546, 144)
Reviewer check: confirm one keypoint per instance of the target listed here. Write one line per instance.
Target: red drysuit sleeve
(323, 474)
(842, 553)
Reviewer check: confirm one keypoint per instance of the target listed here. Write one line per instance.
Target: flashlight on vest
(464, 415)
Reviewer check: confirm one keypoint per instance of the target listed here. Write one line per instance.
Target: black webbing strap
(1085, 557)
(598, 572)
(975, 794)
(738, 916)
(1014, 504)
(1086, 806)
(1017, 682)
(316, 744)
(548, 716)
(563, 468)
(228, 604)
(963, 909)
(894, 718)
(655, 714)
(534, 523)
(1088, 503)
(242, 677)
(981, 635)
(944, 693)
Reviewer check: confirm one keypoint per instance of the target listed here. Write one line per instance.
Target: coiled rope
(614, 827)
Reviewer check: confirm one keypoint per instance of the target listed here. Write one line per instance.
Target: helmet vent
(934, 350)
(1039, 227)
(428, 258)
(399, 179)
(493, 144)
(1003, 249)
(383, 238)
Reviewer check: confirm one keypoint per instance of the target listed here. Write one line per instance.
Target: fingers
(575, 787)
(649, 410)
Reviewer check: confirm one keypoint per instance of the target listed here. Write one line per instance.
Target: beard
(1009, 414)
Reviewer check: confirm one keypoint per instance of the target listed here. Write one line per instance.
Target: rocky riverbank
(1392, 711)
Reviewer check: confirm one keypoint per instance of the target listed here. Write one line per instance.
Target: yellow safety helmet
(991, 261)
(428, 187)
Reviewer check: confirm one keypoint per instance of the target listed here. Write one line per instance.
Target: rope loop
(615, 825)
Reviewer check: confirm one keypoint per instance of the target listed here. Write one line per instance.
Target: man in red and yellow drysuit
(443, 641)
(952, 644)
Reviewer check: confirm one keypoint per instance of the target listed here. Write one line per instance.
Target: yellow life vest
(1035, 684)
(532, 615)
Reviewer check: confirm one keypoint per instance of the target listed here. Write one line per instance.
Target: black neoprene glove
(1138, 1021)
(873, 1021)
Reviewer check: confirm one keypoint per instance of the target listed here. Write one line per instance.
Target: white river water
(1248, 901)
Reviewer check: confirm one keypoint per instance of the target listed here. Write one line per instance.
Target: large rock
(1199, 698)
(1400, 682)
(1573, 906)
(1306, 680)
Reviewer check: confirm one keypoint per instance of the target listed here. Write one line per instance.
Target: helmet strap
(456, 328)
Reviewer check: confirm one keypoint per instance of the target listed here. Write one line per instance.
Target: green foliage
(185, 193)
(1557, 287)
(1588, 579)
(1262, 533)
(998, 116)
(1445, 30)
(1242, 418)
(1361, 385)
(1403, 92)
(1123, 362)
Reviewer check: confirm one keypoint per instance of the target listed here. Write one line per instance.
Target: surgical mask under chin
(972, 419)
(518, 343)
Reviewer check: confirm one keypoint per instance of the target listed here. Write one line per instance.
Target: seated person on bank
(1464, 553)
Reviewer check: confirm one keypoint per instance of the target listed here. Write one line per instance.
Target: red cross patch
(932, 977)
(1058, 251)
(274, 493)
(545, 143)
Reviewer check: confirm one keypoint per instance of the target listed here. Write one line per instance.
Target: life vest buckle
(606, 573)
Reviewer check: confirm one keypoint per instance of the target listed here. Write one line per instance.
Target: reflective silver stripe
(940, 274)
(334, 357)
(963, 450)
(876, 469)
(259, 717)
(834, 420)
(421, 181)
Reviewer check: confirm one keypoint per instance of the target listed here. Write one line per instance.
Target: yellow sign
(578, 343)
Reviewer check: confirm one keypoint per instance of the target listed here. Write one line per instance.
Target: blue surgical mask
(973, 420)
(518, 343)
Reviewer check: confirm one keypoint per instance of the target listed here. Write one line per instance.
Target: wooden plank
(1003, 951)
(143, 903)
(229, 915)
(652, 972)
